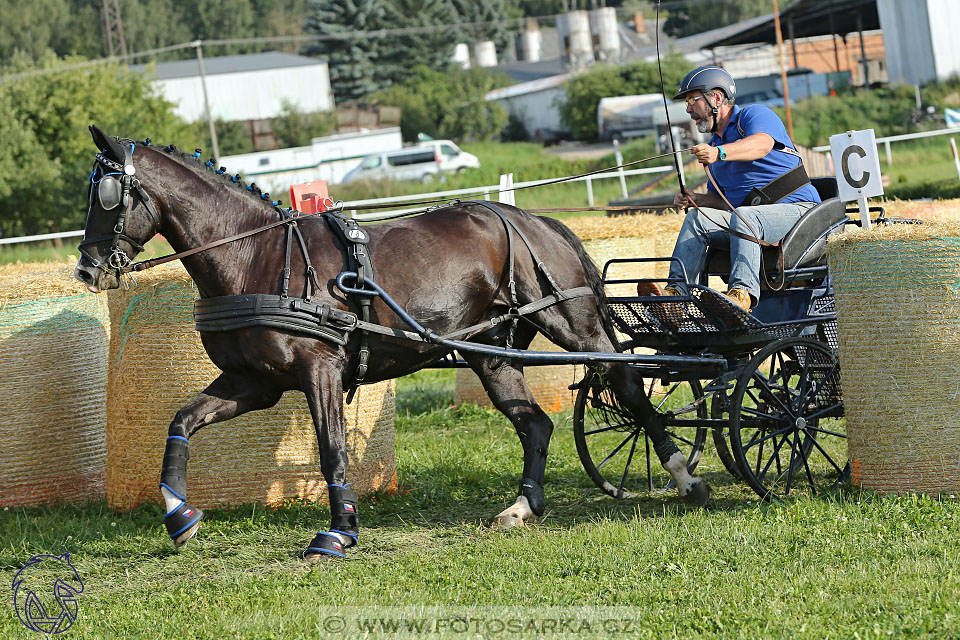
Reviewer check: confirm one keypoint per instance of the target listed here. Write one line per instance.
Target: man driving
(758, 171)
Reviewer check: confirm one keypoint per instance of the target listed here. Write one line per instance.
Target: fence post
(589, 182)
(886, 143)
(623, 179)
(956, 157)
(506, 189)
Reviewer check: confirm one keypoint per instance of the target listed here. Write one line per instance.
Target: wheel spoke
(769, 389)
(775, 457)
(626, 467)
(827, 432)
(619, 425)
(677, 436)
(827, 456)
(793, 458)
(619, 446)
(755, 441)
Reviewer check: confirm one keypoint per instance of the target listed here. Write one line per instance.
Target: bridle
(113, 192)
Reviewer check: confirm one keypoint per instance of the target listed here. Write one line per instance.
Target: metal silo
(573, 29)
(605, 34)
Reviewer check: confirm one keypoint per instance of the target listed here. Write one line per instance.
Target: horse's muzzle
(95, 278)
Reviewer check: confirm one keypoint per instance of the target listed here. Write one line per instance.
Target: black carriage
(770, 396)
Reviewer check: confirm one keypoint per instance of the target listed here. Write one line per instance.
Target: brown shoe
(648, 289)
(652, 289)
(740, 298)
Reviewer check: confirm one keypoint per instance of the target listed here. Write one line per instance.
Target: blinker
(109, 192)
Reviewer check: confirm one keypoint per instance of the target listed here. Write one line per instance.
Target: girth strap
(355, 240)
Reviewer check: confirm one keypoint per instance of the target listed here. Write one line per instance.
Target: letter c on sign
(845, 166)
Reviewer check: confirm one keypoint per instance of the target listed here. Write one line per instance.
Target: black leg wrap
(174, 474)
(343, 512)
(533, 492)
(665, 449)
(181, 519)
(327, 544)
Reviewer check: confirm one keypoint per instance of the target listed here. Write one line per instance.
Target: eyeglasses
(692, 101)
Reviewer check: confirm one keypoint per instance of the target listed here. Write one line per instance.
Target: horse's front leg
(324, 391)
(629, 389)
(226, 397)
(504, 383)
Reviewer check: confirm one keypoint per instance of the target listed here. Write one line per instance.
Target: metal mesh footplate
(703, 319)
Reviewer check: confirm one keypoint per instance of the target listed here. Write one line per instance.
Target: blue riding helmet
(706, 78)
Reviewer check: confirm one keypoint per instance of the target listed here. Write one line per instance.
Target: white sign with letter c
(856, 164)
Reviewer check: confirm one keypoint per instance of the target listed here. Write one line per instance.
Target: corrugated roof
(524, 88)
(228, 64)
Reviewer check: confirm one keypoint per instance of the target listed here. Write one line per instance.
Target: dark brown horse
(449, 269)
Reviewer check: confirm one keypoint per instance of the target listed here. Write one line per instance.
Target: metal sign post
(857, 167)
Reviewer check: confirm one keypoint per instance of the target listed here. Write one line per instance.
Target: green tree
(294, 128)
(584, 91)
(351, 61)
(447, 104)
(397, 55)
(688, 17)
(493, 13)
(47, 116)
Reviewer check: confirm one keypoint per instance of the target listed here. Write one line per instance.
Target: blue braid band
(178, 438)
(342, 486)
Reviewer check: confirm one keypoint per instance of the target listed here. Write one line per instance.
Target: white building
(243, 87)
(920, 37)
(535, 103)
(328, 158)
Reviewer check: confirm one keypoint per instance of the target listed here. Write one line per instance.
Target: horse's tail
(592, 273)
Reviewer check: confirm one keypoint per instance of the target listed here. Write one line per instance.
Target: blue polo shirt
(738, 177)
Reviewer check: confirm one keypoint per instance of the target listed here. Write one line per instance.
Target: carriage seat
(804, 245)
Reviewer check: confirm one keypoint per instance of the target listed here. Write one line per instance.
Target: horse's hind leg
(627, 385)
(503, 382)
(226, 397)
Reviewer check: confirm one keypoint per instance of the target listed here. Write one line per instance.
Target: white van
(410, 163)
(452, 158)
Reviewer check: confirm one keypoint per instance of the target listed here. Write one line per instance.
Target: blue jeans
(702, 229)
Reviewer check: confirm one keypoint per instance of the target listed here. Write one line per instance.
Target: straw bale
(927, 210)
(550, 385)
(898, 304)
(53, 350)
(157, 365)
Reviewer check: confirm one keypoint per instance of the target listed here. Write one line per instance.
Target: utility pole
(197, 44)
(113, 29)
(783, 68)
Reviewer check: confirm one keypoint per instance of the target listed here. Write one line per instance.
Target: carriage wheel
(721, 435)
(786, 429)
(609, 440)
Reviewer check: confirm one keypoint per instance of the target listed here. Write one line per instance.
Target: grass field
(848, 565)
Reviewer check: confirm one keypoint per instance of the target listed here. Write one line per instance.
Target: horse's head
(113, 235)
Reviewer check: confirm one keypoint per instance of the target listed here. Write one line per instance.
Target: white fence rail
(484, 191)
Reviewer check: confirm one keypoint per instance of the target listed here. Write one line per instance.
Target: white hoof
(181, 539)
(513, 516)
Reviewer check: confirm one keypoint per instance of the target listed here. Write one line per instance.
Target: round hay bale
(637, 236)
(898, 304)
(157, 365)
(53, 354)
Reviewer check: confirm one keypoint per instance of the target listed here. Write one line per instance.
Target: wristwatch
(723, 154)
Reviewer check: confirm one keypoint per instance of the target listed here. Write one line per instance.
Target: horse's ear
(107, 145)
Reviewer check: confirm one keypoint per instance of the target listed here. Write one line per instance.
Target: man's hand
(684, 201)
(705, 153)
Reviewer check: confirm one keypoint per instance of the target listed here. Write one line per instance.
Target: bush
(934, 189)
